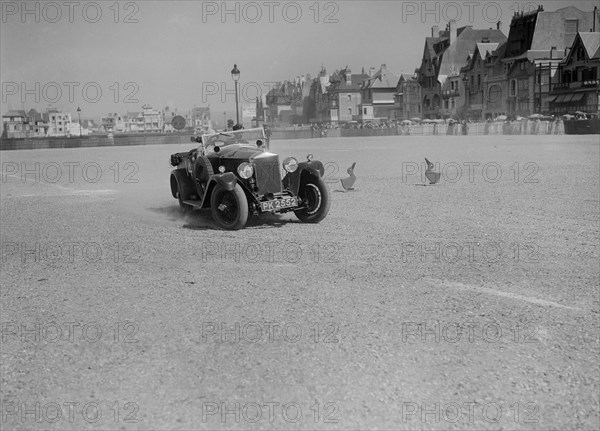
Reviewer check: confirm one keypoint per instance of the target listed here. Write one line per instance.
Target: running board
(194, 203)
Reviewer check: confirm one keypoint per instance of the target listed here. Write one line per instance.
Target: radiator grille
(268, 174)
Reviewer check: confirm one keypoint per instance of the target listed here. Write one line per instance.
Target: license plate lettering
(278, 204)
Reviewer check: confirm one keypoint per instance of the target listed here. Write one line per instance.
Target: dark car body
(229, 165)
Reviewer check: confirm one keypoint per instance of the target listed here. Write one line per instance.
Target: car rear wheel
(181, 187)
(180, 197)
(316, 201)
(229, 208)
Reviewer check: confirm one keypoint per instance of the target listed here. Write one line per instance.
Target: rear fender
(178, 176)
(292, 180)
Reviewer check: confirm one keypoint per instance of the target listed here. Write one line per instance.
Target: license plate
(278, 204)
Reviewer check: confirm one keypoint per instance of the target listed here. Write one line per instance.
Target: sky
(109, 56)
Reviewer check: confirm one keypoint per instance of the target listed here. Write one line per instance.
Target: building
(115, 122)
(152, 119)
(408, 97)
(537, 43)
(286, 101)
(344, 95)
(578, 85)
(321, 107)
(168, 116)
(378, 93)
(16, 124)
(58, 123)
(445, 53)
(473, 101)
(39, 122)
(76, 129)
(133, 121)
(199, 118)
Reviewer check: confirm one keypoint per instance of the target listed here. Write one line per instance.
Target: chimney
(452, 31)
(348, 76)
(552, 49)
(371, 72)
(594, 20)
(435, 31)
(499, 25)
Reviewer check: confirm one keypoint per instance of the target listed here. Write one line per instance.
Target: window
(349, 111)
(349, 97)
(571, 26)
(478, 81)
(364, 111)
(513, 87)
(523, 84)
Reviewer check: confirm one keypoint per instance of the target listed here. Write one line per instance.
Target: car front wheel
(229, 208)
(315, 197)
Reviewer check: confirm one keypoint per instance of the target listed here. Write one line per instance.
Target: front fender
(292, 179)
(226, 180)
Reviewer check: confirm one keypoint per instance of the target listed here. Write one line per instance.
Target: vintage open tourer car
(234, 174)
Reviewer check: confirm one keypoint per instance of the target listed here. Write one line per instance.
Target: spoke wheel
(316, 201)
(229, 208)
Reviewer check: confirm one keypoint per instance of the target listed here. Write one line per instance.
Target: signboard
(249, 111)
(178, 122)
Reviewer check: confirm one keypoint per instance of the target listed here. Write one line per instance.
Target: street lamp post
(224, 120)
(235, 74)
(79, 114)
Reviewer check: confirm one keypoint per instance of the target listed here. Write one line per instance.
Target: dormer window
(571, 27)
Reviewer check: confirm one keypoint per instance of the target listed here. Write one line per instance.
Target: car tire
(180, 197)
(203, 172)
(315, 191)
(183, 189)
(229, 207)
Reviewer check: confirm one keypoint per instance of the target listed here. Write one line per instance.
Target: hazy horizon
(115, 57)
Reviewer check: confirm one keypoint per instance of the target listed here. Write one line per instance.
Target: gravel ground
(470, 304)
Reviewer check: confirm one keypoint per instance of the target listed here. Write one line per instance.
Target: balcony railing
(450, 93)
(578, 84)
